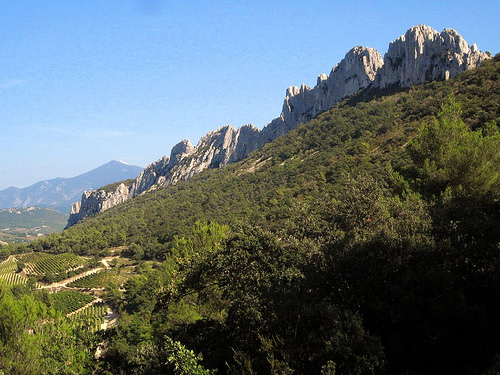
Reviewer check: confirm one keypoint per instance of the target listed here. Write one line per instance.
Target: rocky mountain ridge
(421, 54)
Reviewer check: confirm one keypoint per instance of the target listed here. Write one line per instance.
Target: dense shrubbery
(375, 255)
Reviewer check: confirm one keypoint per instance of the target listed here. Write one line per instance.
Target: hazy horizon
(70, 177)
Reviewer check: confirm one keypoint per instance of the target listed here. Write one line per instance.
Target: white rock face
(97, 201)
(75, 208)
(421, 55)
(215, 150)
(149, 176)
(356, 71)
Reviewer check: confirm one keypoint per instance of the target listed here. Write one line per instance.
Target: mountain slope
(60, 193)
(421, 54)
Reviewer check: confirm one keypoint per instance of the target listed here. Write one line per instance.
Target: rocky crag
(422, 54)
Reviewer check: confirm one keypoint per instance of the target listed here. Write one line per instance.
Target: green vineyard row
(54, 264)
(91, 317)
(68, 301)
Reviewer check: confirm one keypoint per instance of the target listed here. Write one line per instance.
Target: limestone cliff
(356, 71)
(97, 201)
(421, 55)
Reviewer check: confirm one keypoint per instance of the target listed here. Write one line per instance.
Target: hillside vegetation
(24, 224)
(365, 241)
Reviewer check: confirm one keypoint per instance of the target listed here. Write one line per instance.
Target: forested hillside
(365, 241)
(25, 224)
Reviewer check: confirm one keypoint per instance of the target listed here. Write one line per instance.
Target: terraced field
(8, 275)
(8, 265)
(90, 317)
(39, 264)
(12, 279)
(84, 310)
(68, 301)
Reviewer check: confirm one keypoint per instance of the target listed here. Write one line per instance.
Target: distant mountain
(60, 193)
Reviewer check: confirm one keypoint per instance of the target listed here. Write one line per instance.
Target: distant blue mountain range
(60, 193)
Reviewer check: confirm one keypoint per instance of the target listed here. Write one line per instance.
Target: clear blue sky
(83, 82)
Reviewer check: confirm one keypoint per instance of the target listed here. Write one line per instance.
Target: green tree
(453, 159)
(194, 252)
(20, 266)
(182, 361)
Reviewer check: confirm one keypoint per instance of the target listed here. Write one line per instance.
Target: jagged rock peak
(184, 147)
(423, 54)
(294, 90)
(93, 202)
(181, 150)
(149, 176)
(356, 71)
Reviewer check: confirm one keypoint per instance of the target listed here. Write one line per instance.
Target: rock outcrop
(356, 71)
(97, 201)
(421, 55)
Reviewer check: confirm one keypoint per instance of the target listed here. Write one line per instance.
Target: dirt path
(117, 249)
(60, 284)
(106, 261)
(110, 320)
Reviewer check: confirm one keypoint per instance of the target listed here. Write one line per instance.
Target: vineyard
(41, 264)
(12, 279)
(98, 280)
(8, 275)
(8, 265)
(68, 301)
(84, 310)
(91, 318)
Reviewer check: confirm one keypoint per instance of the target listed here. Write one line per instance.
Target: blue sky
(83, 82)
